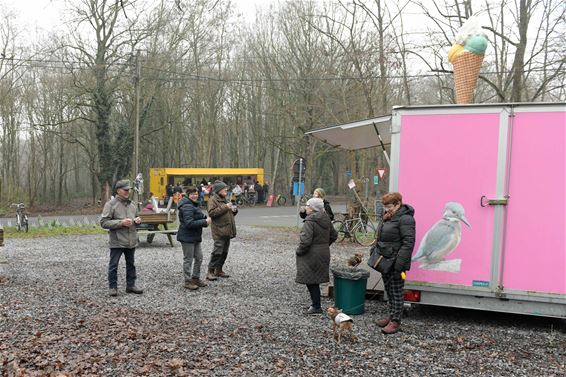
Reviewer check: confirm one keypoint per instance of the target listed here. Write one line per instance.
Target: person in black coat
(398, 231)
(319, 193)
(191, 222)
(313, 253)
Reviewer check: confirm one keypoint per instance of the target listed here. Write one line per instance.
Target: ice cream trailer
(488, 184)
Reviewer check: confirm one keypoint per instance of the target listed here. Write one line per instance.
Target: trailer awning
(356, 135)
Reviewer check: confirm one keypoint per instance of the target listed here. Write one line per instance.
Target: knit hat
(316, 204)
(218, 186)
(321, 193)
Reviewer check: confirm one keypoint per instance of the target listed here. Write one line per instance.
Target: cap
(123, 184)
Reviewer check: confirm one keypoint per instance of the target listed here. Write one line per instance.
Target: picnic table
(156, 223)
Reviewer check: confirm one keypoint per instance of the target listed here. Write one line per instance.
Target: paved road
(260, 215)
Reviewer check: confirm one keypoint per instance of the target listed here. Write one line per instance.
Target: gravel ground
(56, 319)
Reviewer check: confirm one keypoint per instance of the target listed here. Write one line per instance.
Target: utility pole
(137, 80)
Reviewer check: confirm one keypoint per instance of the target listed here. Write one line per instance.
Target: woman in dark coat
(313, 253)
(191, 222)
(319, 193)
(397, 231)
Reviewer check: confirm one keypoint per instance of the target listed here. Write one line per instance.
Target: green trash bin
(350, 285)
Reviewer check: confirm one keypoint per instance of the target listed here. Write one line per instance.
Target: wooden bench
(151, 223)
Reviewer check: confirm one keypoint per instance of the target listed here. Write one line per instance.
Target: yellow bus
(159, 178)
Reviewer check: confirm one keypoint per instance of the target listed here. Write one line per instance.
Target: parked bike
(21, 217)
(359, 228)
(248, 198)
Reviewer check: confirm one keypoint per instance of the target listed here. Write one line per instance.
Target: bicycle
(360, 229)
(22, 221)
(248, 198)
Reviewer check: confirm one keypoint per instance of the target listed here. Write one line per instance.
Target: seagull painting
(441, 240)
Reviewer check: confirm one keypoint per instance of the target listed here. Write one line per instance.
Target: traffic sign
(380, 172)
(375, 180)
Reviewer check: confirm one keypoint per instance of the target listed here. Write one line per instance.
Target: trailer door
(534, 252)
(447, 161)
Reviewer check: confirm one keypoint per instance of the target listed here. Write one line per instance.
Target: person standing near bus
(223, 227)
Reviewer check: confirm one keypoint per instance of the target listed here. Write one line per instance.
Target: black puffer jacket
(399, 232)
(191, 222)
(313, 253)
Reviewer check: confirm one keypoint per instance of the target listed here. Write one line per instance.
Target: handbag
(382, 256)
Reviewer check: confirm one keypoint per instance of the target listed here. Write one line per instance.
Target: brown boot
(190, 285)
(383, 321)
(221, 274)
(211, 274)
(391, 328)
(199, 282)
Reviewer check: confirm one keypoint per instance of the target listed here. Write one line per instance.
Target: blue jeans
(115, 254)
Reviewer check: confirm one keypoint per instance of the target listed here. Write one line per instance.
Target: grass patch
(52, 230)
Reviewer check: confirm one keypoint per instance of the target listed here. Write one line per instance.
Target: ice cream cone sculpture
(466, 56)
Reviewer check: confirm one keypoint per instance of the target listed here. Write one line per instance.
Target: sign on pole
(380, 172)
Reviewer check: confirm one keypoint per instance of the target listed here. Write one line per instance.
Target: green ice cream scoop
(476, 44)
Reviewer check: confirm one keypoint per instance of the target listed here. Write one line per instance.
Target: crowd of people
(249, 187)
(397, 231)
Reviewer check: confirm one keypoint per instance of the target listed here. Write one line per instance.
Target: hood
(183, 202)
(321, 218)
(405, 209)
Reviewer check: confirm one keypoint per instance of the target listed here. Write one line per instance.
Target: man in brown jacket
(120, 217)
(223, 227)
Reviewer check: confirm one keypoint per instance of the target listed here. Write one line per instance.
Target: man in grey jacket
(120, 217)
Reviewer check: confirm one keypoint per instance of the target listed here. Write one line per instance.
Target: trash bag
(350, 273)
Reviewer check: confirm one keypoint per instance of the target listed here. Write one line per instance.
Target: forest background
(218, 90)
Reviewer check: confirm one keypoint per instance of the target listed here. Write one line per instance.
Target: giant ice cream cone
(466, 72)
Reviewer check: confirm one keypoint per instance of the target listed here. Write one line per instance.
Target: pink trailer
(488, 184)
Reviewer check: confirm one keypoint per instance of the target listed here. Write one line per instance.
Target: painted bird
(443, 237)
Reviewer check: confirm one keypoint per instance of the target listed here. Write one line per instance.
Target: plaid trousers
(394, 285)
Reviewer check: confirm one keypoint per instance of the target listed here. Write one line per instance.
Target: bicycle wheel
(26, 223)
(281, 200)
(252, 201)
(341, 229)
(364, 233)
(240, 201)
(18, 222)
(304, 199)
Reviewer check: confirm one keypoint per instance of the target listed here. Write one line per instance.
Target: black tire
(340, 228)
(251, 201)
(281, 200)
(364, 234)
(240, 201)
(26, 223)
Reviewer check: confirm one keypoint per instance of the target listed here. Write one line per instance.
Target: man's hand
(137, 220)
(208, 220)
(126, 223)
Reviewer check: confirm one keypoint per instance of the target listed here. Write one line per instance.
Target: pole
(137, 115)
(298, 196)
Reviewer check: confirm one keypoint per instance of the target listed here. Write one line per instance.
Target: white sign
(380, 172)
(351, 184)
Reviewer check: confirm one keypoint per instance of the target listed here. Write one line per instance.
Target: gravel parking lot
(56, 319)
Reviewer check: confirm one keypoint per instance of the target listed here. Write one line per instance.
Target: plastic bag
(472, 26)
(350, 273)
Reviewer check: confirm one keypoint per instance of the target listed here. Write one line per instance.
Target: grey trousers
(219, 253)
(191, 251)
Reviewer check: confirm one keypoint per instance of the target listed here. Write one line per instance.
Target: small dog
(342, 321)
(355, 260)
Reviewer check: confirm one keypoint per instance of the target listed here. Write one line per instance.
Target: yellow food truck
(159, 178)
